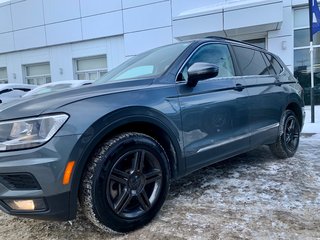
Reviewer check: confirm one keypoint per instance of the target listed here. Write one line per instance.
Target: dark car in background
(12, 91)
(115, 145)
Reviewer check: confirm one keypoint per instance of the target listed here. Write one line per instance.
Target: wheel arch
(296, 108)
(141, 120)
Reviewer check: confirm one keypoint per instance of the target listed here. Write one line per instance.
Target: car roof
(228, 40)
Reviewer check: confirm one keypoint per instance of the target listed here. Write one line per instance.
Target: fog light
(26, 204)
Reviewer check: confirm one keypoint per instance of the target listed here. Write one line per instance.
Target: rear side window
(275, 64)
(250, 61)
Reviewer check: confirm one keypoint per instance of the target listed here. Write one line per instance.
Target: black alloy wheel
(289, 136)
(125, 183)
(291, 133)
(134, 183)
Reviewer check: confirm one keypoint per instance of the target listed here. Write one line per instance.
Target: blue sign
(315, 16)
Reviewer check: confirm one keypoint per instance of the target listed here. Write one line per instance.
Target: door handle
(238, 87)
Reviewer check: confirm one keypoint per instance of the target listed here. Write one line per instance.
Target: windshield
(150, 64)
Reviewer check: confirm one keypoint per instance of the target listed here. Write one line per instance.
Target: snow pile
(312, 127)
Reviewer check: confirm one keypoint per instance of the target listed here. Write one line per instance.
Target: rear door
(214, 113)
(265, 93)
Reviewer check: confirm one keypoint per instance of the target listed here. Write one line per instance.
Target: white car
(13, 91)
(57, 86)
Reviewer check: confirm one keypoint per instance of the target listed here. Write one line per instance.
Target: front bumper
(37, 174)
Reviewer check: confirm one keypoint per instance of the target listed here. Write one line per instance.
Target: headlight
(29, 132)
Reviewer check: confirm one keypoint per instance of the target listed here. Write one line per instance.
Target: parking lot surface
(251, 196)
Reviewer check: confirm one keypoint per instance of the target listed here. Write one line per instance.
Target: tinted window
(275, 64)
(250, 61)
(217, 54)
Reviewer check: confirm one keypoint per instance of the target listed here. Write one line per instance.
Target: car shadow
(244, 163)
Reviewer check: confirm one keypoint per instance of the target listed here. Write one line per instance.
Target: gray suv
(115, 146)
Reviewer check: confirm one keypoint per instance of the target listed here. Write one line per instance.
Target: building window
(37, 74)
(259, 42)
(302, 69)
(3, 75)
(90, 68)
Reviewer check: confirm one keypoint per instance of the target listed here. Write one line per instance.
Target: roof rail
(233, 40)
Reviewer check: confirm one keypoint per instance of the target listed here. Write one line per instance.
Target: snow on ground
(251, 196)
(312, 127)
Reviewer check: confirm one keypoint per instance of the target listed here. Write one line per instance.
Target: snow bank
(312, 127)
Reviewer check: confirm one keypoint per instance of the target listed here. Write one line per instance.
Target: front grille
(19, 181)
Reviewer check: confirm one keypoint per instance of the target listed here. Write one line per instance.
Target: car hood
(34, 106)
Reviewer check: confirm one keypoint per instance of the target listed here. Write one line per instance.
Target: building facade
(52, 40)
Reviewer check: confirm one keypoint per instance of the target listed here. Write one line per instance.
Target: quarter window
(275, 64)
(250, 61)
(37, 74)
(91, 68)
(269, 64)
(3, 75)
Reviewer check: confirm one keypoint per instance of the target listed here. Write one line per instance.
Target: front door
(214, 113)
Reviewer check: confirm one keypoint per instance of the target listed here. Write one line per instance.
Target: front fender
(105, 126)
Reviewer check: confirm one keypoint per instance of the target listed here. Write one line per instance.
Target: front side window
(250, 61)
(3, 75)
(90, 68)
(150, 64)
(217, 54)
(37, 74)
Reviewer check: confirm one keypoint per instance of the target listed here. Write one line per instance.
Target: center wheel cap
(136, 182)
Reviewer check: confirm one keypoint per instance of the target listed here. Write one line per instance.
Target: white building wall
(61, 57)
(58, 31)
(146, 26)
(280, 42)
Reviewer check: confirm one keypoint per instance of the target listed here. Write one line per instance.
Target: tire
(289, 135)
(126, 182)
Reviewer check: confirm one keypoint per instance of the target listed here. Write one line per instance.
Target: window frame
(302, 28)
(304, 82)
(36, 77)
(99, 71)
(4, 80)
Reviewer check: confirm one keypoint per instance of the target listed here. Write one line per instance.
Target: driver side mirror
(201, 71)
